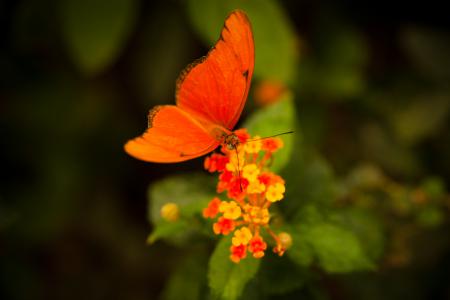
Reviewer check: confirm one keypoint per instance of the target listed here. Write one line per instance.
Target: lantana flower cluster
(251, 189)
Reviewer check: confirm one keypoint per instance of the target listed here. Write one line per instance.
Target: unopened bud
(285, 239)
(170, 212)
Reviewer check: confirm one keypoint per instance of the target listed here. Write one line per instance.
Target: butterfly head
(231, 141)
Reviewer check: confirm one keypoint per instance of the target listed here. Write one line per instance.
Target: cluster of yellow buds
(251, 189)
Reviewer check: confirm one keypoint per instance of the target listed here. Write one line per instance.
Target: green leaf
(275, 41)
(337, 71)
(226, 278)
(95, 31)
(191, 192)
(430, 217)
(301, 252)
(336, 249)
(365, 226)
(313, 120)
(274, 119)
(309, 181)
(378, 145)
(164, 229)
(428, 50)
(160, 52)
(422, 117)
(279, 275)
(342, 82)
(433, 187)
(189, 280)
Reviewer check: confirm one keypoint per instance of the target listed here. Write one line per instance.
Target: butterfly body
(210, 96)
(231, 141)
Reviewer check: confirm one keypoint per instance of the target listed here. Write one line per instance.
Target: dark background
(73, 205)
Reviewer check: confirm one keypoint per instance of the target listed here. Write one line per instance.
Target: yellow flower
(241, 236)
(251, 188)
(255, 187)
(250, 172)
(253, 146)
(230, 167)
(275, 192)
(246, 214)
(230, 210)
(236, 160)
(259, 215)
(170, 212)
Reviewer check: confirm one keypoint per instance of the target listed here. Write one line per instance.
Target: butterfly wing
(216, 87)
(211, 94)
(172, 136)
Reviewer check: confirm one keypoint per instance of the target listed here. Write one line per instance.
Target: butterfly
(210, 96)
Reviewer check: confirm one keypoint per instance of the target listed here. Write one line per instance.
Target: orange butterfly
(210, 96)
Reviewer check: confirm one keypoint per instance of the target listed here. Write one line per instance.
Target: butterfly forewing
(216, 87)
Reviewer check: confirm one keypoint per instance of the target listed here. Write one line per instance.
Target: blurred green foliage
(226, 279)
(275, 40)
(95, 31)
(275, 118)
(367, 169)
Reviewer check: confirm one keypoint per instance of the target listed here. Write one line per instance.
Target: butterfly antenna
(268, 137)
(238, 168)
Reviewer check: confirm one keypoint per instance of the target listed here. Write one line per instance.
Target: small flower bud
(285, 239)
(170, 212)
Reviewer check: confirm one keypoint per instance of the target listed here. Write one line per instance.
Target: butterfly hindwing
(172, 136)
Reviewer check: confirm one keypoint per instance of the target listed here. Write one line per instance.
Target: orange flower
(223, 226)
(226, 176)
(216, 162)
(212, 209)
(268, 91)
(257, 215)
(272, 144)
(238, 185)
(238, 253)
(224, 181)
(279, 249)
(269, 178)
(242, 134)
(257, 246)
(264, 178)
(251, 188)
